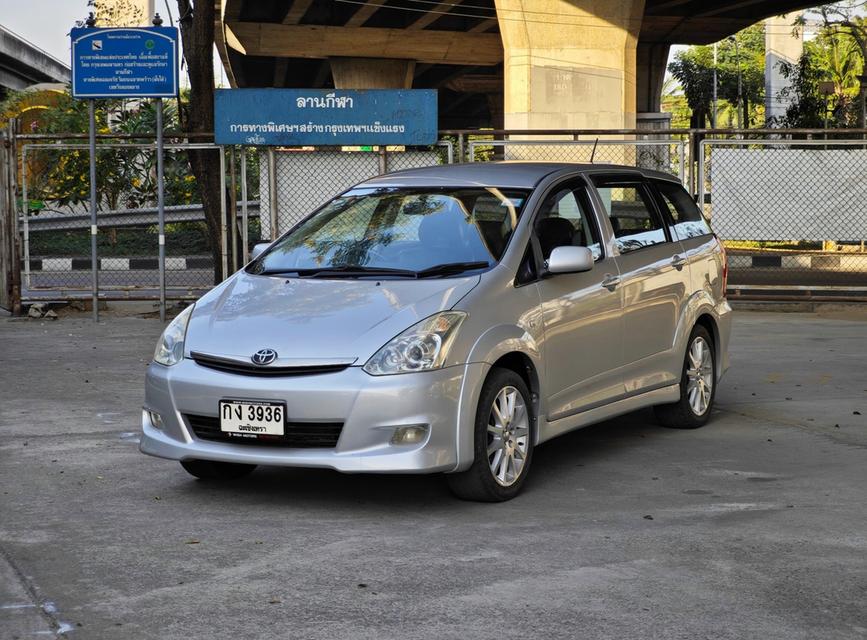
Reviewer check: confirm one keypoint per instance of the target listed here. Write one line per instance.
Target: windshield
(407, 232)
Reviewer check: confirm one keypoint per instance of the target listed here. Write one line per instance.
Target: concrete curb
(801, 261)
(120, 264)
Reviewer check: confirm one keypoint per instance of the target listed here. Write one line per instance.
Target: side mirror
(259, 249)
(570, 260)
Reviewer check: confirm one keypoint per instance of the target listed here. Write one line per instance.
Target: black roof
(523, 175)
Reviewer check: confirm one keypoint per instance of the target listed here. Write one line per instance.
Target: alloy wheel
(508, 436)
(699, 372)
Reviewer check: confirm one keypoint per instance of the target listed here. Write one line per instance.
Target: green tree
(838, 58)
(126, 177)
(844, 21)
(694, 70)
(834, 57)
(739, 56)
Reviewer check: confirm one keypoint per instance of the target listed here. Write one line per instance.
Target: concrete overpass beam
(372, 73)
(570, 64)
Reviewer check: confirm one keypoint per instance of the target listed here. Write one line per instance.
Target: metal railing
(799, 264)
(594, 151)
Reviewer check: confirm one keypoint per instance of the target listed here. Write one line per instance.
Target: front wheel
(213, 470)
(697, 385)
(503, 441)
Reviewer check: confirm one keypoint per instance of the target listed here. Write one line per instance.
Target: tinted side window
(688, 221)
(565, 219)
(630, 210)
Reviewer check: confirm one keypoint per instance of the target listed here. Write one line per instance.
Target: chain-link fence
(667, 154)
(54, 216)
(791, 212)
(305, 179)
(56, 225)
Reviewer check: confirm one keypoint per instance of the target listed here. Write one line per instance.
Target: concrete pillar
(780, 46)
(570, 64)
(495, 106)
(651, 62)
(372, 73)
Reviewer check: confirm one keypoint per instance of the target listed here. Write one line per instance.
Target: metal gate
(791, 212)
(55, 222)
(53, 217)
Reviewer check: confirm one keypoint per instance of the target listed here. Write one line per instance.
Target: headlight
(170, 348)
(422, 347)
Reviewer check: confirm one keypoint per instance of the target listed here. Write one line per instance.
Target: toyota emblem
(264, 356)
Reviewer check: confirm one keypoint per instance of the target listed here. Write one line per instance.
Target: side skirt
(553, 429)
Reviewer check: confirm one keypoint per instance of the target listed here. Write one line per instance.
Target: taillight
(725, 267)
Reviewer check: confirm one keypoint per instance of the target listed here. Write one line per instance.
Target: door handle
(610, 281)
(678, 262)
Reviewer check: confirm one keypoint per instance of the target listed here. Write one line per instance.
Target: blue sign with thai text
(319, 117)
(118, 62)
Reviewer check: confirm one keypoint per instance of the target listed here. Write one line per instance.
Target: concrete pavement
(752, 527)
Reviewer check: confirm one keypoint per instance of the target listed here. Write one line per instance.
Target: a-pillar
(570, 64)
(372, 73)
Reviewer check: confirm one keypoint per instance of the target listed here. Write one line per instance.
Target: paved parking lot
(753, 527)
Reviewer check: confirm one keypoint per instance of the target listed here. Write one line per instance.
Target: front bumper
(369, 407)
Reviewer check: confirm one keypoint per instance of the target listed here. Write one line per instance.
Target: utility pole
(740, 82)
(862, 94)
(715, 110)
(161, 199)
(94, 260)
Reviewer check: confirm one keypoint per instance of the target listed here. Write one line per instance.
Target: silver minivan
(449, 320)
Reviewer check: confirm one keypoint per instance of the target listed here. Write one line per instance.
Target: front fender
(492, 345)
(503, 339)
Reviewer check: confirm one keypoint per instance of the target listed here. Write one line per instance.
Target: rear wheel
(697, 385)
(503, 441)
(213, 470)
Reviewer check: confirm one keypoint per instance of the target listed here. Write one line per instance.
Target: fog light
(409, 435)
(155, 418)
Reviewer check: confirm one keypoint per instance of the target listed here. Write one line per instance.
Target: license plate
(252, 418)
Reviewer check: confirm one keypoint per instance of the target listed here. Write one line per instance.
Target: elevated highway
(23, 64)
(545, 64)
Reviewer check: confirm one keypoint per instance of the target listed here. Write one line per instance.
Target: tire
(697, 385)
(500, 467)
(212, 470)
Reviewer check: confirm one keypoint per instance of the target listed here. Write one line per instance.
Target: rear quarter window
(687, 219)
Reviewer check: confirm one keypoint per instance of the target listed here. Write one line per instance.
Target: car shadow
(555, 462)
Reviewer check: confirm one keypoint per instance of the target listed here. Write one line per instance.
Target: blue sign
(318, 117)
(117, 62)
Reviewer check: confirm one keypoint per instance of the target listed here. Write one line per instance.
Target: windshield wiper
(343, 271)
(357, 271)
(450, 268)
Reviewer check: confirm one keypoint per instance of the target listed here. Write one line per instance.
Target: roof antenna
(593, 153)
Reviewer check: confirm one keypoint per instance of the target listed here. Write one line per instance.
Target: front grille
(299, 435)
(250, 369)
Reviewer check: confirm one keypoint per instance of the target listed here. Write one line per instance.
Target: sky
(45, 23)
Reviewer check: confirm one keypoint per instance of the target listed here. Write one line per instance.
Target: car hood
(314, 321)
